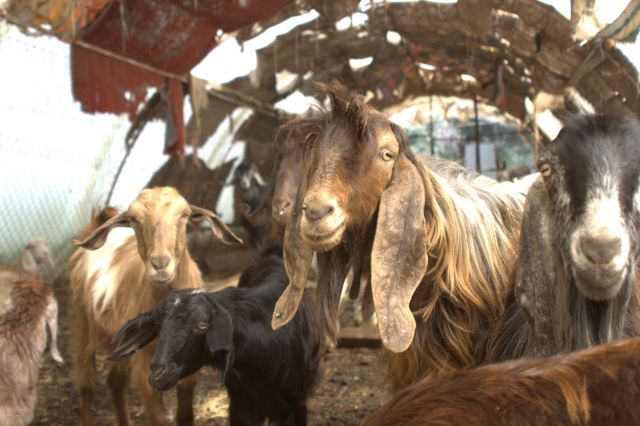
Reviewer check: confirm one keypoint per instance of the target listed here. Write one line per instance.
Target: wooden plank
(358, 337)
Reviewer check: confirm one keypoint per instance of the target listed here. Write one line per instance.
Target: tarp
(171, 36)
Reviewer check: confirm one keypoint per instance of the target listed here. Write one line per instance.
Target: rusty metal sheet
(168, 35)
(172, 35)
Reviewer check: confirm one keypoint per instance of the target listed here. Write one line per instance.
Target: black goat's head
(591, 172)
(192, 329)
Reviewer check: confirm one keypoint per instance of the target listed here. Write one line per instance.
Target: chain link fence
(57, 163)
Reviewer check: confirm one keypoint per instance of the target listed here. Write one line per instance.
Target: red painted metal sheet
(103, 84)
(169, 35)
(172, 35)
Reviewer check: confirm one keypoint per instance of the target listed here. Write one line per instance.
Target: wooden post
(431, 141)
(477, 127)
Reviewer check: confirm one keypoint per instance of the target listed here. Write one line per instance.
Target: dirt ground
(351, 387)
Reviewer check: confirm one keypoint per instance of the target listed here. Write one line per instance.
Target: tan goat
(34, 255)
(127, 274)
(23, 338)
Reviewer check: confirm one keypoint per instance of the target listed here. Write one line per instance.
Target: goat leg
(118, 380)
(185, 390)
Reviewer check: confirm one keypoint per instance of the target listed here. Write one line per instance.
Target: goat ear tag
(399, 255)
(99, 236)
(217, 225)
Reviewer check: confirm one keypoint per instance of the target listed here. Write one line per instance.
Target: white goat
(128, 274)
(23, 338)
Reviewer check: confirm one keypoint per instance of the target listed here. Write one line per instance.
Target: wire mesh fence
(57, 162)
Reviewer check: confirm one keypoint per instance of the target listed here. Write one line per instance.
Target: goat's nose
(157, 371)
(160, 262)
(600, 249)
(319, 209)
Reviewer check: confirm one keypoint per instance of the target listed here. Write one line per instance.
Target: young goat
(129, 273)
(23, 338)
(34, 256)
(268, 374)
(597, 386)
(250, 192)
(575, 278)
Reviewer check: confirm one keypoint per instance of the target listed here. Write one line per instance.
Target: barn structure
(101, 98)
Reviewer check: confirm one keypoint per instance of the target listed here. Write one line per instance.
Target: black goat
(251, 192)
(268, 374)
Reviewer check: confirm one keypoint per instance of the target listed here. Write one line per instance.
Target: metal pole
(431, 142)
(477, 126)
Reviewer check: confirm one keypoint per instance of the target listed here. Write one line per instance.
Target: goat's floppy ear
(99, 236)
(218, 227)
(220, 336)
(399, 254)
(134, 335)
(297, 262)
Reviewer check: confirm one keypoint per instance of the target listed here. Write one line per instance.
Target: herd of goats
(510, 303)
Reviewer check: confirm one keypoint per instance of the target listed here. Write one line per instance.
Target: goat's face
(347, 169)
(40, 252)
(591, 173)
(248, 180)
(288, 176)
(159, 217)
(361, 202)
(192, 329)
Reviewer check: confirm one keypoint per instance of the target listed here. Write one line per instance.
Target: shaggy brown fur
(436, 242)
(117, 281)
(598, 386)
(23, 338)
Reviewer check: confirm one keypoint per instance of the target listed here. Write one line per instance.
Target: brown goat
(435, 243)
(127, 274)
(23, 338)
(275, 210)
(597, 386)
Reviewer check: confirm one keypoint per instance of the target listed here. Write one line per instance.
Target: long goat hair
(473, 227)
(468, 233)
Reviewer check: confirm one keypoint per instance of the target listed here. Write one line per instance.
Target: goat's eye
(546, 170)
(185, 216)
(387, 154)
(132, 220)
